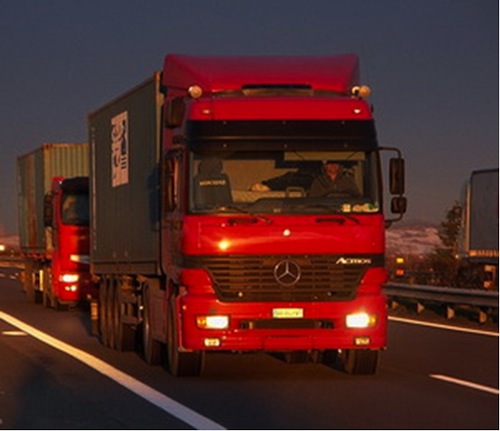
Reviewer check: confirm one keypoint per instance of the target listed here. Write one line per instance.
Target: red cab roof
(335, 73)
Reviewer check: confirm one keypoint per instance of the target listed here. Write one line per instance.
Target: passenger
(211, 185)
(333, 181)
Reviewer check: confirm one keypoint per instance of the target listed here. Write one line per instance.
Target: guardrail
(11, 262)
(449, 297)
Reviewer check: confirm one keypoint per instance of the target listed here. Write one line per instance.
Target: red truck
(53, 191)
(237, 205)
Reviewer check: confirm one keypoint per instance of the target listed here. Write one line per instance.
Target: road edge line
(170, 406)
(465, 383)
(441, 326)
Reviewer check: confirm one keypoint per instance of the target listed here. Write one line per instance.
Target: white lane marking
(155, 397)
(440, 326)
(465, 383)
(14, 333)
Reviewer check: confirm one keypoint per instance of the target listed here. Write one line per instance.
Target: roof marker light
(362, 91)
(195, 91)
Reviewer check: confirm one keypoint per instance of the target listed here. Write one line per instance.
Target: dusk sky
(432, 66)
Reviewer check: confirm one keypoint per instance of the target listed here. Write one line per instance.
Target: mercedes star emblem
(287, 272)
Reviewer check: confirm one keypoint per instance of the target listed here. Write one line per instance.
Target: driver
(332, 181)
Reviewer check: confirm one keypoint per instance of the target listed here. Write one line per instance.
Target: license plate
(288, 313)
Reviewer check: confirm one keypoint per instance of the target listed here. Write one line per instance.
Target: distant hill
(11, 240)
(412, 238)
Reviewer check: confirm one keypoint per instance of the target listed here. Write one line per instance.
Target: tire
(297, 357)
(94, 317)
(103, 315)
(110, 313)
(360, 362)
(329, 357)
(123, 335)
(151, 348)
(38, 297)
(181, 364)
(37, 289)
(46, 300)
(29, 287)
(59, 306)
(47, 290)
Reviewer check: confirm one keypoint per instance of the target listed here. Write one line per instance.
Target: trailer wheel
(110, 313)
(28, 286)
(103, 315)
(151, 347)
(47, 289)
(123, 334)
(181, 364)
(297, 357)
(362, 362)
(38, 293)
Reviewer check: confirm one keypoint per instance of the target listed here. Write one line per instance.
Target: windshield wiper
(333, 209)
(243, 211)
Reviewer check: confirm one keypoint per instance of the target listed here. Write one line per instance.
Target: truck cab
(273, 224)
(67, 218)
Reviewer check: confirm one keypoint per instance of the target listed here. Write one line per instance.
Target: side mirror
(397, 176)
(174, 113)
(48, 212)
(398, 205)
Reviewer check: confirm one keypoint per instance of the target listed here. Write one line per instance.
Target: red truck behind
(237, 205)
(53, 191)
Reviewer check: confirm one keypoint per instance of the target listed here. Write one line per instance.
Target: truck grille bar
(257, 278)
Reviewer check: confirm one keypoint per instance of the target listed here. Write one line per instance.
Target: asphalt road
(55, 375)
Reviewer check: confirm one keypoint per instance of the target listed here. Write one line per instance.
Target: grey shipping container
(35, 171)
(125, 148)
(480, 224)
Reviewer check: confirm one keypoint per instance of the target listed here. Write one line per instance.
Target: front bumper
(278, 326)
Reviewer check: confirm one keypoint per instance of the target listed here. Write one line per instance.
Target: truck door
(172, 214)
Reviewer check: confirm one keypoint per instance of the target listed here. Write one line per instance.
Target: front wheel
(359, 361)
(181, 364)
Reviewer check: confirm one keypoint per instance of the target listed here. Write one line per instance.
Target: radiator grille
(252, 278)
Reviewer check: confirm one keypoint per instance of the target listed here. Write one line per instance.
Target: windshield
(75, 209)
(295, 182)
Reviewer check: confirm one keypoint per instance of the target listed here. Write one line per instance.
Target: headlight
(360, 320)
(212, 322)
(69, 278)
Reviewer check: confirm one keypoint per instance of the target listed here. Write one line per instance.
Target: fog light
(71, 288)
(69, 278)
(211, 342)
(362, 341)
(212, 322)
(360, 320)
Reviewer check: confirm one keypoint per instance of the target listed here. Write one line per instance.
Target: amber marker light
(362, 91)
(195, 91)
